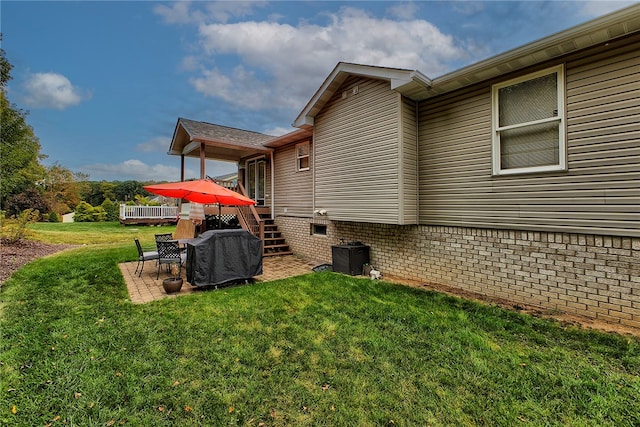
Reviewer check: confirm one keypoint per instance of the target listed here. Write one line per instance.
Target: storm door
(256, 180)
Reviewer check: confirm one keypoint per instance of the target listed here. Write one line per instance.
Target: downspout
(312, 163)
(273, 188)
(417, 163)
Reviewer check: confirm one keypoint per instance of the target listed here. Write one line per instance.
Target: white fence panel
(148, 212)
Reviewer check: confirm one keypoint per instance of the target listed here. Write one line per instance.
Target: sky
(104, 83)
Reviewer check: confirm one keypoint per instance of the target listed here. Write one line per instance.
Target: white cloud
(181, 12)
(178, 12)
(159, 144)
(222, 11)
(285, 64)
(241, 87)
(52, 90)
(278, 131)
(403, 10)
(598, 8)
(134, 169)
(468, 7)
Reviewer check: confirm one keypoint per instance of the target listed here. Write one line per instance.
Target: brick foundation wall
(590, 275)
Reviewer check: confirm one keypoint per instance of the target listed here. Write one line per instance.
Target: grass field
(88, 233)
(321, 349)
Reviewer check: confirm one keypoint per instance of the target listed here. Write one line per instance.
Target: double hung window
(528, 123)
(302, 157)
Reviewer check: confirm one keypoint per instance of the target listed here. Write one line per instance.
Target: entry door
(256, 180)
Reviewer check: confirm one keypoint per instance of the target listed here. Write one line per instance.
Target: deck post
(202, 161)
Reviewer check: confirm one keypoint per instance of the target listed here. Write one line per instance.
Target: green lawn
(94, 232)
(321, 349)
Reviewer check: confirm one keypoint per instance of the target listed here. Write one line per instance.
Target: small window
(302, 156)
(528, 123)
(319, 229)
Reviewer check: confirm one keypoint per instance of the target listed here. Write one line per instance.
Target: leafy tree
(142, 200)
(108, 190)
(112, 210)
(93, 193)
(16, 228)
(53, 217)
(84, 212)
(19, 151)
(98, 214)
(127, 190)
(19, 147)
(28, 199)
(5, 68)
(62, 188)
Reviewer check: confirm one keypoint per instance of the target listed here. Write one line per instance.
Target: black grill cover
(220, 256)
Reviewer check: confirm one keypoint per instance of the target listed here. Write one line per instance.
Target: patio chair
(163, 237)
(169, 253)
(144, 256)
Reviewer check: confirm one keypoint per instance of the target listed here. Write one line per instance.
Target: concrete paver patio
(146, 288)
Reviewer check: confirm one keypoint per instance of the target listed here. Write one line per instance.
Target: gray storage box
(349, 258)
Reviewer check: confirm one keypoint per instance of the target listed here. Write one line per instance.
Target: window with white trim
(528, 123)
(318, 229)
(302, 156)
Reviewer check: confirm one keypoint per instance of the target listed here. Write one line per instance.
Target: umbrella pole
(219, 216)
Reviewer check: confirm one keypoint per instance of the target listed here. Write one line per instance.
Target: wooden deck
(148, 215)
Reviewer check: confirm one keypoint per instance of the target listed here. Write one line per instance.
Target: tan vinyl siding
(409, 164)
(600, 192)
(357, 153)
(293, 187)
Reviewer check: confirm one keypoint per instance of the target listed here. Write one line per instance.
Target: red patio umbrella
(203, 191)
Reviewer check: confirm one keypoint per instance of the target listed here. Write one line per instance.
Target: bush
(14, 229)
(84, 212)
(87, 213)
(53, 217)
(112, 210)
(98, 214)
(29, 199)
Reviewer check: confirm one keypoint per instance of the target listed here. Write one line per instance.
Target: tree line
(25, 183)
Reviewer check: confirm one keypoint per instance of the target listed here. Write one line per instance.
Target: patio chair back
(169, 253)
(140, 251)
(163, 237)
(143, 256)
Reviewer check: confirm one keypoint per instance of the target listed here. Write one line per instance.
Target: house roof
(599, 31)
(208, 132)
(417, 86)
(220, 142)
(291, 137)
(408, 82)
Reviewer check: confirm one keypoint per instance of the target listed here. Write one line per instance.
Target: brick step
(277, 253)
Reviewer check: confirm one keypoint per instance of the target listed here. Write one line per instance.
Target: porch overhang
(217, 150)
(215, 142)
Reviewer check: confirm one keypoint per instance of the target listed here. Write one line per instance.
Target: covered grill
(221, 256)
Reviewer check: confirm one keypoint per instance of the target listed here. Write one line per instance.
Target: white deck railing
(148, 212)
